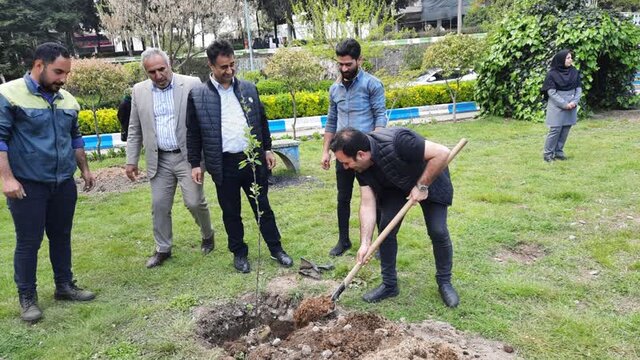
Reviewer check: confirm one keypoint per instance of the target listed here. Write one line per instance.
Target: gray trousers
(173, 170)
(556, 139)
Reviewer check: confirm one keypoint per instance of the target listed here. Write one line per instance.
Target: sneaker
(548, 158)
(69, 291)
(29, 310)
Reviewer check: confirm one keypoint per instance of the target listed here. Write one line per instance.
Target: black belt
(176, 151)
(234, 156)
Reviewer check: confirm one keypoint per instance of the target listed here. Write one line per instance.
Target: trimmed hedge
(309, 104)
(274, 87)
(317, 103)
(107, 121)
(422, 95)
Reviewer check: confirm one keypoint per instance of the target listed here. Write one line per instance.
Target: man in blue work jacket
(40, 145)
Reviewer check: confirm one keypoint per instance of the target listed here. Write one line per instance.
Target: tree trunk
(97, 127)
(97, 30)
(454, 108)
(258, 24)
(275, 33)
(295, 113)
(2, 79)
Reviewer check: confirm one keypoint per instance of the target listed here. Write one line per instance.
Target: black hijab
(561, 77)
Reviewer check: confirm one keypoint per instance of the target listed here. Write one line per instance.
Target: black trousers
(235, 179)
(435, 217)
(49, 208)
(344, 182)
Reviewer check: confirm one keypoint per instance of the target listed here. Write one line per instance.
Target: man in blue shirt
(40, 145)
(356, 100)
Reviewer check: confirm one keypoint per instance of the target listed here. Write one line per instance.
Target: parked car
(434, 76)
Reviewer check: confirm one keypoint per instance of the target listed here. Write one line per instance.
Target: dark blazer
(204, 129)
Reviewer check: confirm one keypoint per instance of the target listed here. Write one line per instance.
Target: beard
(349, 75)
(48, 86)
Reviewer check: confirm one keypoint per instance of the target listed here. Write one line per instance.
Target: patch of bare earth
(267, 331)
(112, 179)
(522, 253)
(630, 115)
(278, 182)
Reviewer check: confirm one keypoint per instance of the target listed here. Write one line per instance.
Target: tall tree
(26, 23)
(170, 25)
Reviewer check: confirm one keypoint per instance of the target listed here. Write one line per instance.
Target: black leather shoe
(340, 248)
(69, 291)
(157, 259)
(207, 245)
(548, 158)
(282, 258)
(241, 263)
(560, 157)
(380, 293)
(449, 295)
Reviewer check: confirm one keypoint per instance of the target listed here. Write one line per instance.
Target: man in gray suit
(158, 113)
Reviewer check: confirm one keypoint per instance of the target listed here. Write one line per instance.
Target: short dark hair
(348, 47)
(48, 52)
(350, 141)
(219, 47)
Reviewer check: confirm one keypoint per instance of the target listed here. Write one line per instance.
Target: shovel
(383, 235)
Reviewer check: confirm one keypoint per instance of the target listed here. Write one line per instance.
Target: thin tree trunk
(97, 127)
(295, 114)
(2, 79)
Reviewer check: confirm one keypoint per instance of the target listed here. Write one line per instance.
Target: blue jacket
(39, 137)
(361, 106)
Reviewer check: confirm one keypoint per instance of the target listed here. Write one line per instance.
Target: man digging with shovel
(392, 166)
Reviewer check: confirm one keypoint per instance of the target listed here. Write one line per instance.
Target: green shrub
(107, 121)
(271, 87)
(254, 76)
(135, 71)
(604, 46)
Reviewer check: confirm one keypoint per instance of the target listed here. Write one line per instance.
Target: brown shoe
(207, 245)
(158, 258)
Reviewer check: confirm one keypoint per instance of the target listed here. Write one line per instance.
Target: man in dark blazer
(218, 114)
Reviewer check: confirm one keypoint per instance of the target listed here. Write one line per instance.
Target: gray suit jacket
(142, 125)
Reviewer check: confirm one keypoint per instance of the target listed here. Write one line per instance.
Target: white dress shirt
(233, 120)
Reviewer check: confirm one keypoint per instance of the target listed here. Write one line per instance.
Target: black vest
(403, 174)
(204, 113)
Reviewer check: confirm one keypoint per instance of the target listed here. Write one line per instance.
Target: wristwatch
(422, 187)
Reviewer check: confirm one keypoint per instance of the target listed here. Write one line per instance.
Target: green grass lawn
(579, 298)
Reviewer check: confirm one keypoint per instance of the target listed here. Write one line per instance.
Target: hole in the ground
(226, 323)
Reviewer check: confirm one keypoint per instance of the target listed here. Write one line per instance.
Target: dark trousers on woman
(235, 179)
(344, 182)
(435, 217)
(557, 137)
(48, 207)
